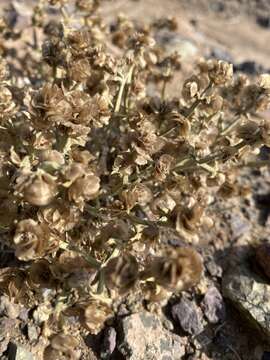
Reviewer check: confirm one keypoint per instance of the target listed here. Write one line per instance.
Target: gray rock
(32, 332)
(221, 54)
(186, 314)
(109, 343)
(174, 42)
(239, 226)
(24, 314)
(213, 306)
(213, 268)
(250, 294)
(144, 338)
(18, 352)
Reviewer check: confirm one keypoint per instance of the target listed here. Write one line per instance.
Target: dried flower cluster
(94, 167)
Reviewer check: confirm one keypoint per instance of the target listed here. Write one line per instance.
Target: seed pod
(61, 347)
(79, 40)
(212, 105)
(264, 81)
(13, 282)
(30, 240)
(227, 190)
(163, 166)
(40, 274)
(189, 218)
(254, 98)
(153, 292)
(51, 159)
(74, 171)
(40, 190)
(178, 270)
(4, 72)
(138, 194)
(79, 71)
(59, 216)
(248, 131)
(7, 104)
(84, 189)
(94, 314)
(88, 6)
(219, 71)
(217, 180)
(121, 273)
(83, 156)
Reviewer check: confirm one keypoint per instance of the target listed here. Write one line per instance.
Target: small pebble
(188, 316)
(213, 306)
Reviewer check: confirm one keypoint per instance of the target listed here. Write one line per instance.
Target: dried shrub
(94, 168)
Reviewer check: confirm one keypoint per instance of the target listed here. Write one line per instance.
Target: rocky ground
(228, 315)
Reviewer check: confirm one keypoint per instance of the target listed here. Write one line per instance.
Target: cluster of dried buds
(94, 168)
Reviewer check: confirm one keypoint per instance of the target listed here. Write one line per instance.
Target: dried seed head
(84, 189)
(40, 274)
(121, 273)
(50, 104)
(138, 194)
(117, 229)
(178, 270)
(189, 218)
(62, 342)
(164, 166)
(7, 105)
(219, 72)
(61, 346)
(88, 6)
(69, 262)
(169, 23)
(153, 292)
(264, 81)
(217, 180)
(82, 156)
(4, 73)
(212, 105)
(30, 240)
(192, 87)
(254, 98)
(74, 171)
(79, 41)
(59, 216)
(79, 71)
(51, 159)
(227, 189)
(13, 282)
(94, 315)
(40, 189)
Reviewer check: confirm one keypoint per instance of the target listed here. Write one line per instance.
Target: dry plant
(94, 167)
